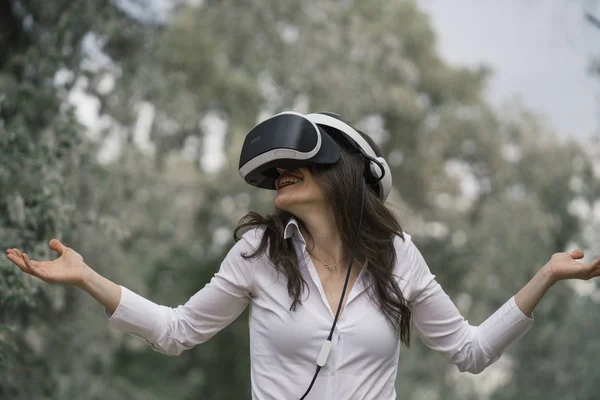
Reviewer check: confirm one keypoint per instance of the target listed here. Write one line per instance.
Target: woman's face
(297, 189)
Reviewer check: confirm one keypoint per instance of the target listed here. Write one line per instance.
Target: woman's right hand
(68, 268)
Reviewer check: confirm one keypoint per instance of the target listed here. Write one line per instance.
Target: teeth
(286, 181)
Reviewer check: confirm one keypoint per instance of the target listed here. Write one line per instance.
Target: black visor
(287, 140)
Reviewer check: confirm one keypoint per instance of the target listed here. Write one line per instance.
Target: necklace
(327, 265)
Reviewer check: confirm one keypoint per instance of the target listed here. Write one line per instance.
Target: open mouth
(288, 181)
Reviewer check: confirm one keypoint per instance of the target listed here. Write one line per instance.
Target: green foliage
(39, 139)
(42, 148)
(156, 223)
(34, 208)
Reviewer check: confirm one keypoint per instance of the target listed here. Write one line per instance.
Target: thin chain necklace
(327, 265)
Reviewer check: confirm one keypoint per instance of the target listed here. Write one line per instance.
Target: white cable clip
(322, 359)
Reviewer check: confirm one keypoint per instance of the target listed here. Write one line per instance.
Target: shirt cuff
(505, 326)
(136, 315)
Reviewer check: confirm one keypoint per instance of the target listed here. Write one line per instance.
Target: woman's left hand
(565, 266)
(561, 266)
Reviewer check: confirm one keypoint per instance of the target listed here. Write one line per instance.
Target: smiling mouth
(288, 180)
(286, 184)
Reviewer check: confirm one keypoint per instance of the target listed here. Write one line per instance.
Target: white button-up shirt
(284, 344)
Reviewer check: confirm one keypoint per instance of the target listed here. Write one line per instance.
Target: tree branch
(593, 20)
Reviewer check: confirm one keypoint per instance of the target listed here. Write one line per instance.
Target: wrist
(86, 277)
(548, 276)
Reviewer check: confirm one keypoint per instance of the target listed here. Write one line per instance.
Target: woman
(290, 267)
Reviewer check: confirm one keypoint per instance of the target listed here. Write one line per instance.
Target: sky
(539, 51)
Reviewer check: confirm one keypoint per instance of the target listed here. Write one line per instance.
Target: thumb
(56, 245)
(576, 254)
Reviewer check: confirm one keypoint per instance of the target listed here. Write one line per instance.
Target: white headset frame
(385, 184)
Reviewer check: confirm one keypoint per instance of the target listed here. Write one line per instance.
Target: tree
(42, 148)
(472, 185)
(376, 64)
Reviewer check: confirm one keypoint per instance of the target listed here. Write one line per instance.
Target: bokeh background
(120, 128)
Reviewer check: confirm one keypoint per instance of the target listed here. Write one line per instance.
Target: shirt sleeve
(173, 330)
(440, 325)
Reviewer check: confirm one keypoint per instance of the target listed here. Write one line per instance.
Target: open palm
(565, 266)
(68, 268)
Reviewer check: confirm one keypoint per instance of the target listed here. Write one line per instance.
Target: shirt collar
(291, 228)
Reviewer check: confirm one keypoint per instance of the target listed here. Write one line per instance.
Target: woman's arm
(168, 330)
(103, 290)
(561, 266)
(472, 348)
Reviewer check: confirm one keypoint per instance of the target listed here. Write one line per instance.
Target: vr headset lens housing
(288, 140)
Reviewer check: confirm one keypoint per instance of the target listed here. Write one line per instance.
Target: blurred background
(120, 128)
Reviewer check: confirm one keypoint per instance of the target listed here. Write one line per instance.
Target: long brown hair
(341, 183)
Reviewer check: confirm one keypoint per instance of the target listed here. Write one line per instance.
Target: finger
(17, 252)
(591, 269)
(596, 265)
(595, 272)
(19, 262)
(33, 266)
(56, 245)
(576, 254)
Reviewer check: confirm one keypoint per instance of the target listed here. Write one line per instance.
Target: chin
(289, 201)
(296, 206)
(284, 202)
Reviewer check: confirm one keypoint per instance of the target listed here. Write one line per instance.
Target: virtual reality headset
(292, 140)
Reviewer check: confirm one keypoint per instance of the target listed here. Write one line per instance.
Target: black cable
(379, 164)
(311, 382)
(337, 314)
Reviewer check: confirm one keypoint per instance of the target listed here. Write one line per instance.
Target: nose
(280, 170)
